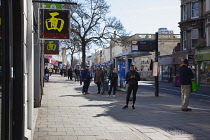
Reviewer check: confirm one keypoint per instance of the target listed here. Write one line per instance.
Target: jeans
(86, 86)
(113, 85)
(99, 86)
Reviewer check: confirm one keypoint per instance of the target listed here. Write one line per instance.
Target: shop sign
(53, 6)
(51, 47)
(190, 57)
(144, 46)
(53, 24)
(201, 55)
(155, 69)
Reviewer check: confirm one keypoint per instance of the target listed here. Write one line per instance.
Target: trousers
(134, 88)
(186, 90)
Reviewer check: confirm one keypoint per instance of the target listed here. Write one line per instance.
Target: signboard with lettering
(53, 6)
(155, 70)
(51, 47)
(53, 24)
(202, 55)
(143, 45)
(190, 57)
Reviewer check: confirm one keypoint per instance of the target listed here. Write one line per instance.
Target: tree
(73, 45)
(90, 24)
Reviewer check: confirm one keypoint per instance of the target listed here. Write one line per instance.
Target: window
(184, 14)
(195, 9)
(184, 41)
(194, 38)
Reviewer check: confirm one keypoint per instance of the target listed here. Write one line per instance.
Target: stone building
(195, 39)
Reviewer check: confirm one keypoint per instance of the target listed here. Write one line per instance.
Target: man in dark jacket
(113, 80)
(70, 73)
(185, 74)
(132, 78)
(86, 77)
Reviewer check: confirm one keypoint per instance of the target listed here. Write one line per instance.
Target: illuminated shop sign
(54, 24)
(51, 47)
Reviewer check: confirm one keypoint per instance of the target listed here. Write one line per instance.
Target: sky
(146, 16)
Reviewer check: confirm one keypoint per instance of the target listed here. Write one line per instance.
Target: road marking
(201, 95)
(180, 91)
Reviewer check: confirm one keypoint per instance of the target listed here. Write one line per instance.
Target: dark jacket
(86, 75)
(70, 71)
(99, 76)
(132, 81)
(113, 77)
(185, 74)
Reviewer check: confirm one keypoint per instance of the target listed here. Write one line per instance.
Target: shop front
(122, 65)
(178, 59)
(203, 60)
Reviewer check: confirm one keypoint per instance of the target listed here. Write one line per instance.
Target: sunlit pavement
(66, 114)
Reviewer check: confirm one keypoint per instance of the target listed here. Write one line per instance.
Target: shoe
(98, 93)
(113, 95)
(83, 93)
(188, 109)
(133, 107)
(125, 107)
(108, 96)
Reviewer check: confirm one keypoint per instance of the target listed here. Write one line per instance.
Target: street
(203, 94)
(66, 114)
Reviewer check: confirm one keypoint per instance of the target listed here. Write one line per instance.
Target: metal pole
(156, 59)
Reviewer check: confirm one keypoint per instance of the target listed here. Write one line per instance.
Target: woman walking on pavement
(86, 77)
(113, 80)
(132, 78)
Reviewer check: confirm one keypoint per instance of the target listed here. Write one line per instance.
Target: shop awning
(132, 54)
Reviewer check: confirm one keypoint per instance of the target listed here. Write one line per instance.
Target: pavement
(66, 114)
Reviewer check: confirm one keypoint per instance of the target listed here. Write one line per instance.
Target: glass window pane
(195, 5)
(194, 34)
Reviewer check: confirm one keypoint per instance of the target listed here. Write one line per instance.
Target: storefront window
(205, 73)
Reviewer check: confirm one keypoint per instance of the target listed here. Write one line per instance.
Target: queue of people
(86, 75)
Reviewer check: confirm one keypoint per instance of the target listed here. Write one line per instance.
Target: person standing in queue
(86, 77)
(113, 81)
(70, 73)
(185, 74)
(99, 78)
(132, 78)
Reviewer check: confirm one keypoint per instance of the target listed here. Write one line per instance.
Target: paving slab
(66, 114)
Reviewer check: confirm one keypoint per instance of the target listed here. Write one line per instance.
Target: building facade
(17, 69)
(195, 39)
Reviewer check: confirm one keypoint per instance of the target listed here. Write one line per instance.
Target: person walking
(132, 78)
(86, 77)
(80, 76)
(113, 82)
(70, 73)
(99, 78)
(185, 75)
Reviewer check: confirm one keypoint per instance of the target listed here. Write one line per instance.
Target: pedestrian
(132, 78)
(113, 82)
(80, 76)
(99, 78)
(86, 77)
(77, 73)
(70, 73)
(185, 75)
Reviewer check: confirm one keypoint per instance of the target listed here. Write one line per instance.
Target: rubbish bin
(176, 81)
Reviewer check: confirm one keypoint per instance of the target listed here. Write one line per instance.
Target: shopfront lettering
(56, 35)
(53, 23)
